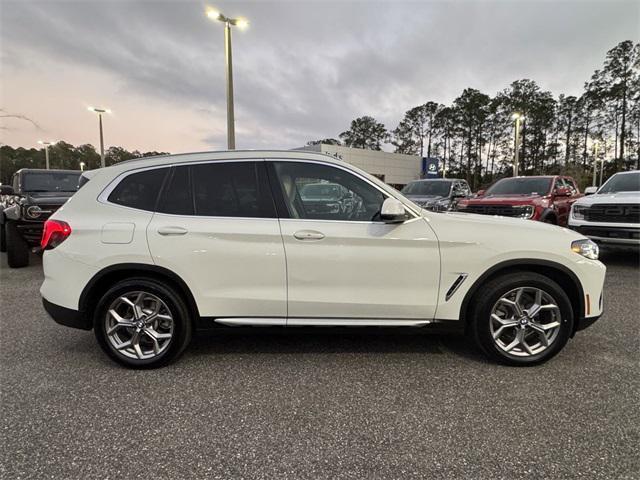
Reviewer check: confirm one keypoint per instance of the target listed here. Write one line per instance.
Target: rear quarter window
(139, 190)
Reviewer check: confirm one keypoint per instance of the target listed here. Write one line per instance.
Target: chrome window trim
(104, 195)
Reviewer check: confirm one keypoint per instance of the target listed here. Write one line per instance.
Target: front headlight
(526, 211)
(578, 211)
(586, 248)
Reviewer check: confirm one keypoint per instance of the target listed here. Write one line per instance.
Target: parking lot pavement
(320, 404)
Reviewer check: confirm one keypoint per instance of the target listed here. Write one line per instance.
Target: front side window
(139, 190)
(322, 192)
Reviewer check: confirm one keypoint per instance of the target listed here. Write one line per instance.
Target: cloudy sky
(303, 70)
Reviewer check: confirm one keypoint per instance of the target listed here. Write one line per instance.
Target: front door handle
(172, 231)
(308, 235)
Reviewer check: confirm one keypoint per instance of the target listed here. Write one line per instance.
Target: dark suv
(437, 195)
(24, 206)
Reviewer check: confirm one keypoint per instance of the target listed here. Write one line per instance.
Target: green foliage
(365, 132)
(62, 155)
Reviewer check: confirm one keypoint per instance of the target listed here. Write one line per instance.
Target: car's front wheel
(521, 318)
(142, 323)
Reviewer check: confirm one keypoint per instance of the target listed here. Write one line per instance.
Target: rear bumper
(67, 316)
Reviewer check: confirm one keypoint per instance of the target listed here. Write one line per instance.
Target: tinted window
(626, 182)
(139, 190)
(177, 198)
(233, 189)
(521, 186)
(436, 188)
(343, 195)
(50, 181)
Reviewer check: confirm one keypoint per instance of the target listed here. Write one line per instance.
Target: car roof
(627, 172)
(26, 170)
(438, 180)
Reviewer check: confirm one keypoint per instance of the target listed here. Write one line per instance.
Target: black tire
(17, 247)
(3, 238)
(487, 297)
(182, 323)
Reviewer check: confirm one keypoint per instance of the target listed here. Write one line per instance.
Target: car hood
(503, 200)
(619, 197)
(426, 198)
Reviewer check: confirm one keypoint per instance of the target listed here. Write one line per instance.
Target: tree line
(474, 136)
(62, 155)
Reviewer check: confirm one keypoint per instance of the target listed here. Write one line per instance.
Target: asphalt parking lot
(318, 405)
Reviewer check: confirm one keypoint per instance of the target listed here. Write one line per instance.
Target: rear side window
(219, 189)
(177, 198)
(139, 190)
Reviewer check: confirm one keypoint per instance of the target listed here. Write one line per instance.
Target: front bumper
(608, 234)
(67, 316)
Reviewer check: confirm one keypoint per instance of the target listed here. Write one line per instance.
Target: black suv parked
(24, 206)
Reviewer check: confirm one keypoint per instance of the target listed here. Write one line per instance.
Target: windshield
(521, 186)
(627, 182)
(435, 188)
(50, 181)
(322, 190)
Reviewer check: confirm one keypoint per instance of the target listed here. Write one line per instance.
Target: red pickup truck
(543, 198)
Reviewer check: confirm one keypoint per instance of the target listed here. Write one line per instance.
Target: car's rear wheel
(17, 247)
(522, 318)
(141, 323)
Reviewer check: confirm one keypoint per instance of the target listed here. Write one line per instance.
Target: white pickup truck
(610, 215)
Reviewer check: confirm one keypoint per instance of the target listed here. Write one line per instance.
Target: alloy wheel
(139, 325)
(525, 321)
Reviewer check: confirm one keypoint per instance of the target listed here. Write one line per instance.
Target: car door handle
(308, 235)
(172, 231)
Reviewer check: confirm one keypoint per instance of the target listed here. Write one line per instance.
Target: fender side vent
(455, 285)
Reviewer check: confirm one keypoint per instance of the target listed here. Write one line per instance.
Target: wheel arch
(547, 214)
(108, 276)
(560, 274)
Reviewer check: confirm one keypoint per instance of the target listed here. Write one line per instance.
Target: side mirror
(562, 192)
(6, 190)
(590, 190)
(393, 211)
(480, 193)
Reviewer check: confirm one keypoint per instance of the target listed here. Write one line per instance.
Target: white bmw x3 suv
(150, 250)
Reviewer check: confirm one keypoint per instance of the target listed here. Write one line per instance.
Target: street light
(100, 111)
(82, 166)
(518, 117)
(46, 151)
(241, 23)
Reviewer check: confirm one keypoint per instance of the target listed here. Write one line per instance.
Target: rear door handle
(172, 231)
(308, 235)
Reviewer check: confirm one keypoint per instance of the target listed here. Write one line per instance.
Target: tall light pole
(242, 24)
(46, 151)
(595, 162)
(100, 111)
(518, 117)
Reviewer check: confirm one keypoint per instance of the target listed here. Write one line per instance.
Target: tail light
(55, 232)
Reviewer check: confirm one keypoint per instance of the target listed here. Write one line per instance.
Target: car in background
(33, 196)
(611, 215)
(437, 195)
(543, 198)
(327, 199)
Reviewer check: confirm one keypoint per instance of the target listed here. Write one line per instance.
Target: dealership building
(396, 169)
